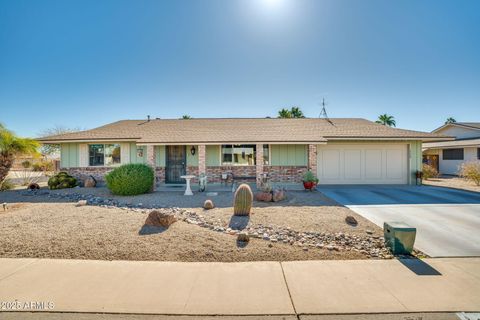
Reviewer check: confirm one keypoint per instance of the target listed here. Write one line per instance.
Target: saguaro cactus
(242, 203)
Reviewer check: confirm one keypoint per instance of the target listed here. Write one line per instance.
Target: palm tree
(10, 146)
(186, 116)
(450, 120)
(296, 112)
(284, 113)
(386, 120)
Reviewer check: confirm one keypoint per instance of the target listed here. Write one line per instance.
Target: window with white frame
(243, 154)
(103, 154)
(452, 154)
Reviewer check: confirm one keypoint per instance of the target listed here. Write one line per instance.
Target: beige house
(447, 156)
(338, 151)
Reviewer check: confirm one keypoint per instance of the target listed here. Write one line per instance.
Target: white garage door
(362, 163)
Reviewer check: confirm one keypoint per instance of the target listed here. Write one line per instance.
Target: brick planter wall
(285, 174)
(82, 173)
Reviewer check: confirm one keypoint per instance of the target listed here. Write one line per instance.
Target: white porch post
(151, 161)
(202, 159)
(259, 163)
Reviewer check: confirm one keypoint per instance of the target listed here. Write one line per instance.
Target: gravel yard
(49, 227)
(452, 182)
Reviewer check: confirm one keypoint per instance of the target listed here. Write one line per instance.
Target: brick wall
(312, 158)
(82, 173)
(285, 174)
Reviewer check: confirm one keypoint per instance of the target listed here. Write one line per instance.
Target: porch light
(192, 150)
(140, 152)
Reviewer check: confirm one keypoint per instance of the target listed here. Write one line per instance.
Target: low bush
(429, 172)
(130, 179)
(43, 166)
(470, 171)
(6, 185)
(62, 180)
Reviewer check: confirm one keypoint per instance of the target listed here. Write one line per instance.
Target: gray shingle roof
(216, 130)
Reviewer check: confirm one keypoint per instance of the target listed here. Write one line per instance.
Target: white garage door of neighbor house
(362, 164)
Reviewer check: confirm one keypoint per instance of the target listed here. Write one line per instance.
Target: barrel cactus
(62, 180)
(242, 203)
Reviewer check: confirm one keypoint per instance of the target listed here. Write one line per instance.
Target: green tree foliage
(386, 120)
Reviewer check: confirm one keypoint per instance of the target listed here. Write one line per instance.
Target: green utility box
(399, 236)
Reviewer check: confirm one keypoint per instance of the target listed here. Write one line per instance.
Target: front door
(175, 164)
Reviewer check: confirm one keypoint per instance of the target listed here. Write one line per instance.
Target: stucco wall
(452, 166)
(460, 133)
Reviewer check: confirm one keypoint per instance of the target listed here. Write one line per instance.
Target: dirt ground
(452, 182)
(63, 230)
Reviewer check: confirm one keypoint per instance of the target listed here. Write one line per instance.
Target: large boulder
(263, 196)
(90, 182)
(160, 219)
(278, 195)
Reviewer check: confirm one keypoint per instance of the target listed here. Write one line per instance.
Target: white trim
(390, 139)
(456, 124)
(220, 143)
(86, 141)
(83, 155)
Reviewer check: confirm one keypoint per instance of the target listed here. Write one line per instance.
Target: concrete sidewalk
(250, 288)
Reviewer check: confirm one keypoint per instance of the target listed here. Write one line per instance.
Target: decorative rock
(81, 203)
(263, 196)
(278, 195)
(369, 231)
(243, 237)
(90, 182)
(208, 204)
(160, 218)
(351, 220)
(33, 186)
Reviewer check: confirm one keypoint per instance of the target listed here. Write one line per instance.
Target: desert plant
(242, 203)
(43, 165)
(309, 177)
(130, 179)
(11, 146)
(26, 164)
(6, 185)
(470, 171)
(429, 171)
(62, 180)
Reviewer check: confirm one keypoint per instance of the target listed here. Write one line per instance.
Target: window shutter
(83, 155)
(124, 153)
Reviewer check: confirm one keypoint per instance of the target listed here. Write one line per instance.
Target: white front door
(340, 163)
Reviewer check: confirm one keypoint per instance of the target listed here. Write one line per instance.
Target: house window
(453, 154)
(238, 154)
(104, 154)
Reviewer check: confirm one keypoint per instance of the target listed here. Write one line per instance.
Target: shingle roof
(216, 130)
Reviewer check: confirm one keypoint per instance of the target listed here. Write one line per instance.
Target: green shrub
(6, 185)
(429, 172)
(471, 171)
(130, 179)
(62, 180)
(43, 166)
(309, 177)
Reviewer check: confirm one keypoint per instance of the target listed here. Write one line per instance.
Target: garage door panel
(394, 164)
(353, 164)
(362, 163)
(331, 164)
(373, 164)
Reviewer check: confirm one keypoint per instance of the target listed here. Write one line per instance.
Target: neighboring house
(447, 156)
(338, 151)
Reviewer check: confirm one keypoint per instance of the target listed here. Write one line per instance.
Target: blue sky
(87, 63)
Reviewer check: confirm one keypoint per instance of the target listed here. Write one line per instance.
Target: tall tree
(284, 113)
(450, 120)
(11, 146)
(55, 148)
(186, 116)
(296, 112)
(386, 120)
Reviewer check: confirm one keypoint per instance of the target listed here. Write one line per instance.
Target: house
(447, 156)
(338, 151)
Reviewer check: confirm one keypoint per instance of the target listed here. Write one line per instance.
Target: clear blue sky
(90, 62)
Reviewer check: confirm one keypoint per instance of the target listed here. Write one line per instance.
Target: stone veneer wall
(285, 174)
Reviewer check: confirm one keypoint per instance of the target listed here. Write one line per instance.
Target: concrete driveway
(447, 220)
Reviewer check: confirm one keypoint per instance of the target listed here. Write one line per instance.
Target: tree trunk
(6, 162)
